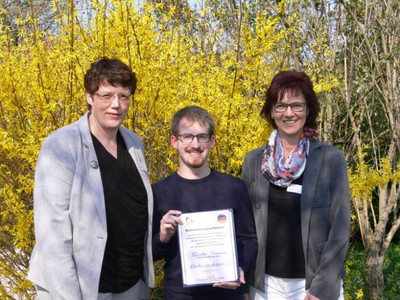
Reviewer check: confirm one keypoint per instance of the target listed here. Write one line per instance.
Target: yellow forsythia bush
(177, 62)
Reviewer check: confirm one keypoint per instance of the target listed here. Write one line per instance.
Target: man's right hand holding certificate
(169, 224)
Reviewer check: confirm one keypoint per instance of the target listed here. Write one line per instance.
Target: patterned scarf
(280, 171)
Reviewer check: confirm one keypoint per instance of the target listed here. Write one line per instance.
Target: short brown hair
(192, 114)
(294, 83)
(112, 71)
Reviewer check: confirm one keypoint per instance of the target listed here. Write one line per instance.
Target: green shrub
(391, 270)
(354, 282)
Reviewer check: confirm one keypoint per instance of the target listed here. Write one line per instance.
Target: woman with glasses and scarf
(300, 196)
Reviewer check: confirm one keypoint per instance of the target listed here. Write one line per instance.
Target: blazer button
(94, 165)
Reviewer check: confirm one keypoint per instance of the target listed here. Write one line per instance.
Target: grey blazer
(325, 217)
(70, 216)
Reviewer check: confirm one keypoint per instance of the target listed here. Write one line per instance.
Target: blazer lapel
(135, 152)
(261, 184)
(310, 178)
(261, 201)
(92, 168)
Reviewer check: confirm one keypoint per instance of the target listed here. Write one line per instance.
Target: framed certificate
(207, 247)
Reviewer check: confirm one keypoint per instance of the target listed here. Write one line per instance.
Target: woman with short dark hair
(300, 195)
(93, 203)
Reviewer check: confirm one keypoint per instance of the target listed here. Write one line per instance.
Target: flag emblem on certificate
(221, 218)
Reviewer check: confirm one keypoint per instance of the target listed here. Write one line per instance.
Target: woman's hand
(310, 297)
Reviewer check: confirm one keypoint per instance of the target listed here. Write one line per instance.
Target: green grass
(354, 283)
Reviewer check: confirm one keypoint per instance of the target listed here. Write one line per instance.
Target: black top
(126, 210)
(216, 191)
(285, 255)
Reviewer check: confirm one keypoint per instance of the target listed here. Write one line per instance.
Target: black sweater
(216, 191)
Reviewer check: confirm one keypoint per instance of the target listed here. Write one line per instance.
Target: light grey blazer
(325, 217)
(70, 216)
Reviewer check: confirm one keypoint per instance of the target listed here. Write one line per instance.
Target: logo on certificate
(221, 218)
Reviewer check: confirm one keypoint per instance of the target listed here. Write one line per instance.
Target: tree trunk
(374, 280)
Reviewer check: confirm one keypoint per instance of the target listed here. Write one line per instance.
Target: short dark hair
(112, 71)
(294, 83)
(192, 114)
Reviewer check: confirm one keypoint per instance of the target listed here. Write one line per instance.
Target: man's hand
(231, 284)
(168, 225)
(310, 297)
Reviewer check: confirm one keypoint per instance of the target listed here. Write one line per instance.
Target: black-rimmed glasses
(187, 138)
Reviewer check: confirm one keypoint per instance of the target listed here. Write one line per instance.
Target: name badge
(294, 188)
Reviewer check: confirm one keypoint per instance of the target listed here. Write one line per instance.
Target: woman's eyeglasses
(296, 107)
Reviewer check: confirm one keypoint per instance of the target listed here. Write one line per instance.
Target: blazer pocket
(322, 197)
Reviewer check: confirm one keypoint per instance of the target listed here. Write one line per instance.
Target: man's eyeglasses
(108, 98)
(187, 138)
(296, 107)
